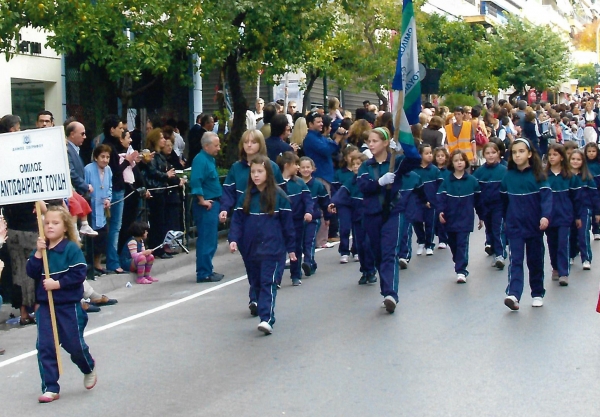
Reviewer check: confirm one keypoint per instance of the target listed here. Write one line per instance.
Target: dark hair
(268, 196)
(205, 119)
(70, 126)
(269, 111)
(385, 120)
(570, 144)
(492, 145)
(124, 134)
(278, 124)
(595, 146)
(101, 149)
(327, 120)
(476, 111)
(500, 146)
(366, 102)
(505, 121)
(45, 113)
(110, 122)
(435, 123)
(312, 116)
(564, 165)
(199, 118)
(345, 152)
(171, 122)
(296, 116)
(8, 122)
(534, 160)
(360, 113)
(137, 229)
(463, 156)
(155, 121)
(586, 175)
(346, 123)
(458, 109)
(287, 158)
(443, 150)
(423, 146)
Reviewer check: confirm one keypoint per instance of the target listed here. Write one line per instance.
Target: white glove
(395, 146)
(387, 179)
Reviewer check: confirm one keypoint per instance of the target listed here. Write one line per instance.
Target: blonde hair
(300, 131)
(333, 104)
(153, 138)
(258, 137)
(70, 226)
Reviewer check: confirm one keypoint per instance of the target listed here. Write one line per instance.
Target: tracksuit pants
(580, 238)
(70, 321)
(344, 215)
(310, 243)
(405, 251)
(459, 245)
(558, 247)
(363, 247)
(534, 248)
(425, 229)
(440, 231)
(295, 270)
(494, 232)
(263, 276)
(385, 238)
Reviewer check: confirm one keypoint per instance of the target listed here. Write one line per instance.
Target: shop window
(28, 100)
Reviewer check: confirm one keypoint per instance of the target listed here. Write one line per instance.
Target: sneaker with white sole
(442, 245)
(571, 261)
(48, 397)
(587, 266)
(420, 249)
(563, 281)
(499, 262)
(265, 327)
(344, 259)
(461, 278)
(253, 306)
(296, 282)
(537, 302)
(403, 263)
(488, 249)
(596, 237)
(89, 380)
(554, 275)
(390, 304)
(511, 302)
(86, 229)
(356, 258)
(429, 252)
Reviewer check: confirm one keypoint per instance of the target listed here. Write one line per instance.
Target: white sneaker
(563, 281)
(420, 249)
(587, 266)
(403, 263)
(554, 275)
(265, 327)
(442, 245)
(499, 262)
(571, 261)
(86, 229)
(537, 302)
(89, 380)
(461, 278)
(390, 304)
(356, 258)
(429, 252)
(48, 397)
(511, 302)
(596, 237)
(344, 259)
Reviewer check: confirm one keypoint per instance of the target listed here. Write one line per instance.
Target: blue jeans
(114, 227)
(207, 224)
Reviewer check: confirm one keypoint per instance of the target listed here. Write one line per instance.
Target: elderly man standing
(206, 190)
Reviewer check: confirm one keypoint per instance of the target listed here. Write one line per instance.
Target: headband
(385, 135)
(525, 141)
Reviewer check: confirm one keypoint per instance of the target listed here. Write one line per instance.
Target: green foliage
(585, 74)
(453, 100)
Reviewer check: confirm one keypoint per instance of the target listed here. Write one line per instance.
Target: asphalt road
(177, 348)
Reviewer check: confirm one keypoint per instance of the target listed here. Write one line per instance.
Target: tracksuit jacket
(456, 199)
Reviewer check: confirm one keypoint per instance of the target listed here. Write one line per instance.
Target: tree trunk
(312, 77)
(126, 93)
(240, 106)
(384, 101)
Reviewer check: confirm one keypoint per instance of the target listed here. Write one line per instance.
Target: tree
(586, 39)
(585, 74)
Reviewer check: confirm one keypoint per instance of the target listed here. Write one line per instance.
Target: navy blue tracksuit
(525, 201)
(424, 225)
(382, 221)
(457, 199)
(263, 240)
(413, 197)
(67, 265)
(350, 196)
(321, 201)
(590, 206)
(440, 229)
(301, 203)
(565, 203)
(594, 167)
(344, 212)
(490, 177)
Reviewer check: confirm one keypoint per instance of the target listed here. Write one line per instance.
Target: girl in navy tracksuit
(384, 215)
(590, 205)
(410, 193)
(321, 200)
(341, 176)
(490, 177)
(458, 197)
(350, 196)
(302, 207)
(527, 203)
(565, 204)
(263, 230)
(67, 273)
(425, 223)
(442, 158)
(592, 155)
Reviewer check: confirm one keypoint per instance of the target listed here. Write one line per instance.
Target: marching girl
(424, 225)
(458, 198)
(442, 158)
(527, 202)
(350, 196)
(302, 206)
(342, 175)
(381, 220)
(592, 155)
(321, 201)
(490, 177)
(565, 203)
(590, 203)
(412, 198)
(263, 230)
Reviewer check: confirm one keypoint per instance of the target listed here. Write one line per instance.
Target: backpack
(480, 137)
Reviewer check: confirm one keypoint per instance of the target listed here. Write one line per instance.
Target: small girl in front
(442, 157)
(590, 204)
(592, 156)
(134, 255)
(67, 273)
(527, 203)
(458, 197)
(342, 175)
(263, 230)
(430, 177)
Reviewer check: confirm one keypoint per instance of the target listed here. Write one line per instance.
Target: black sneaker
(372, 278)
(253, 309)
(218, 276)
(489, 250)
(363, 279)
(306, 269)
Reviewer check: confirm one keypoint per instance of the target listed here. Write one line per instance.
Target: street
(177, 348)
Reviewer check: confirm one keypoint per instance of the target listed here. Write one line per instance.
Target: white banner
(34, 166)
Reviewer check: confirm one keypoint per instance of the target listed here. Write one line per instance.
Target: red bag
(598, 305)
(480, 137)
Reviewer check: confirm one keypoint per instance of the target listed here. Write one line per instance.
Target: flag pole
(38, 211)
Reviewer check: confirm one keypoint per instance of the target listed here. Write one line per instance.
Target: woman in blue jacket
(384, 214)
(527, 203)
(263, 230)
(458, 196)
